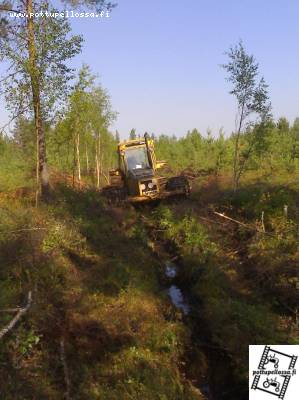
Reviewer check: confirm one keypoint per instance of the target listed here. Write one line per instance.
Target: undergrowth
(95, 288)
(250, 297)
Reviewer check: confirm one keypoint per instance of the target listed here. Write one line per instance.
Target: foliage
(14, 168)
(54, 47)
(85, 126)
(238, 300)
(132, 134)
(186, 233)
(267, 148)
(251, 95)
(252, 98)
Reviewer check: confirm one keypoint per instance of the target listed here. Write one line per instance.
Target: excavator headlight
(150, 185)
(142, 186)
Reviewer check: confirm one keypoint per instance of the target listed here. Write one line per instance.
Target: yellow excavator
(137, 177)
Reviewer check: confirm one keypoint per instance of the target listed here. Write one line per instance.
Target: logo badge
(272, 372)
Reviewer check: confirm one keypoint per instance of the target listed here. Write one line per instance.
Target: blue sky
(159, 60)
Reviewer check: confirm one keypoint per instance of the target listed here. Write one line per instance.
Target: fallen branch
(232, 219)
(19, 315)
(27, 229)
(22, 230)
(9, 310)
(210, 220)
(252, 228)
(65, 370)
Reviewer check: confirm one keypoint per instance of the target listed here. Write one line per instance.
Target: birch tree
(253, 105)
(86, 121)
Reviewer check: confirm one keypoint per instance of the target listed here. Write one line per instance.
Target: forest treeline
(276, 148)
(82, 146)
(64, 121)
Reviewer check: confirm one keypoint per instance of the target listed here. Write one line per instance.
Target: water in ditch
(174, 292)
(219, 362)
(179, 301)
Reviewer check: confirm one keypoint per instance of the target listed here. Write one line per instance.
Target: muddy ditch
(209, 367)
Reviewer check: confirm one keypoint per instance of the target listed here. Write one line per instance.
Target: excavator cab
(137, 178)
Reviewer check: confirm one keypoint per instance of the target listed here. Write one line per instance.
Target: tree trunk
(98, 154)
(241, 165)
(237, 152)
(87, 159)
(74, 160)
(236, 162)
(78, 158)
(42, 177)
(101, 162)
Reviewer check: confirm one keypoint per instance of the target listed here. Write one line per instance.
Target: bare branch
(10, 76)
(6, 7)
(21, 112)
(9, 10)
(105, 176)
(14, 32)
(19, 315)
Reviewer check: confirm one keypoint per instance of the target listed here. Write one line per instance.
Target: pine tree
(132, 135)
